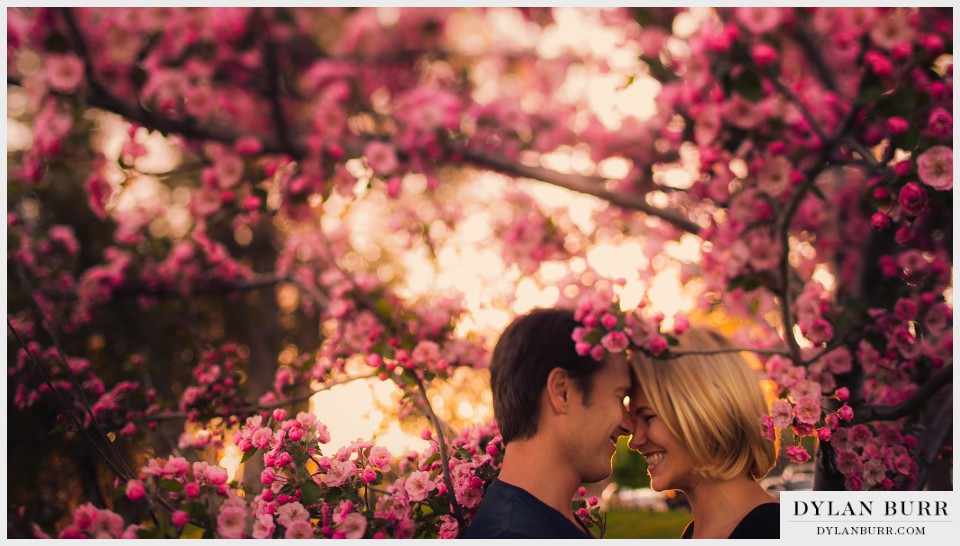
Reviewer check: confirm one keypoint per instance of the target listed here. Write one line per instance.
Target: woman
(696, 420)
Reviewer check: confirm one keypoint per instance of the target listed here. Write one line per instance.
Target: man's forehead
(617, 370)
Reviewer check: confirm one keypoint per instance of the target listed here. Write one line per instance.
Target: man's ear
(559, 390)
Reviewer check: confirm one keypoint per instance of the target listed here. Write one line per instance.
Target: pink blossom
(64, 72)
(824, 434)
(845, 413)
(764, 55)
(180, 518)
(935, 167)
(354, 525)
(339, 473)
(880, 221)
(767, 428)
(368, 475)
(381, 157)
(657, 344)
(299, 530)
(781, 413)
(839, 361)
(848, 463)
(216, 475)
(853, 483)
(897, 125)
(448, 527)
(798, 454)
(843, 394)
(808, 410)
(597, 352)
(380, 457)
(106, 524)
(819, 331)
(774, 177)
(419, 485)
(759, 20)
(940, 124)
(291, 512)
(913, 198)
(873, 472)
(135, 490)
(615, 342)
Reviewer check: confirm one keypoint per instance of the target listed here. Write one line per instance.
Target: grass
(646, 523)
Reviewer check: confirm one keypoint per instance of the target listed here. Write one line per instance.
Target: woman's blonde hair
(712, 403)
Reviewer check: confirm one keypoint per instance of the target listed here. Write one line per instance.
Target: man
(560, 415)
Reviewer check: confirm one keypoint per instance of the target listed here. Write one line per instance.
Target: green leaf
(431, 459)
(247, 455)
(171, 485)
(310, 492)
(748, 84)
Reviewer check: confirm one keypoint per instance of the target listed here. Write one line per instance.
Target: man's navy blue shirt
(510, 512)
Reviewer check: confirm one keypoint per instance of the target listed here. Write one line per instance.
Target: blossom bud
(179, 518)
(267, 495)
(476, 482)
(582, 491)
(913, 199)
(597, 352)
(282, 499)
(880, 221)
(135, 490)
(881, 194)
(897, 125)
(903, 236)
(824, 434)
(374, 361)
(608, 321)
(192, 490)
(845, 413)
(492, 450)
(843, 394)
(251, 203)
(582, 513)
(295, 434)
(593, 501)
(368, 475)
(425, 434)
(764, 55)
(279, 414)
(903, 168)
(932, 44)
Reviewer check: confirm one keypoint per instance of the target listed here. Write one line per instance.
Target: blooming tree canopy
(215, 212)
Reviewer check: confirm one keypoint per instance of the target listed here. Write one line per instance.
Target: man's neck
(537, 469)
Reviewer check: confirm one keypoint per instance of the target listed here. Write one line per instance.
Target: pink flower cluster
(607, 330)
(217, 384)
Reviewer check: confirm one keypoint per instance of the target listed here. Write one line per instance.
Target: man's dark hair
(528, 349)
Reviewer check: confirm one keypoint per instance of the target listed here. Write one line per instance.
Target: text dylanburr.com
(869, 516)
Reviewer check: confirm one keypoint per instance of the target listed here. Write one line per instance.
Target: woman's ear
(559, 390)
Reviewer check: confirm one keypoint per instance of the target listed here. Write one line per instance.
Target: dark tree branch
(589, 185)
(931, 443)
(813, 53)
(451, 492)
(920, 397)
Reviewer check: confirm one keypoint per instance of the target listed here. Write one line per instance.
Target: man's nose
(626, 422)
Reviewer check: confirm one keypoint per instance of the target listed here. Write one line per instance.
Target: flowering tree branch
(920, 397)
(181, 415)
(451, 492)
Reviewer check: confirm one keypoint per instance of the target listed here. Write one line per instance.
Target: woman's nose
(639, 437)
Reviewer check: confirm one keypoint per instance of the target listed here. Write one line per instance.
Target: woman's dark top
(508, 511)
(762, 522)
